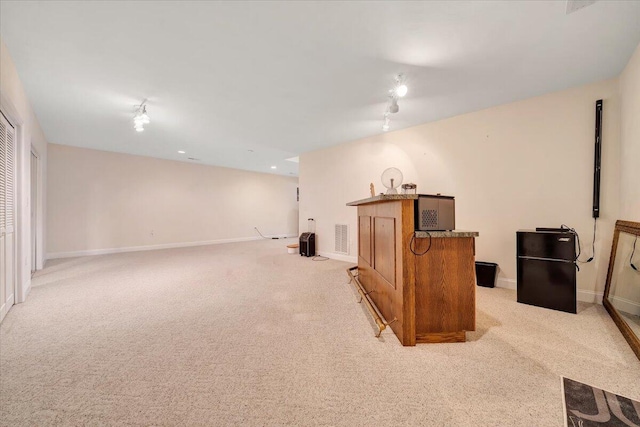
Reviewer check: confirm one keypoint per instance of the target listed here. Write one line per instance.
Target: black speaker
(597, 160)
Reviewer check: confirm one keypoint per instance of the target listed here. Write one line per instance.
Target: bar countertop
(384, 197)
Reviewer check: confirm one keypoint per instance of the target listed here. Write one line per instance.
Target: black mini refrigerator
(308, 244)
(547, 269)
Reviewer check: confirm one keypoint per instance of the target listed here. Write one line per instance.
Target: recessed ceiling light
(273, 167)
(181, 152)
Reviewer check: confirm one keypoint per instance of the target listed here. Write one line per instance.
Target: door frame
(37, 202)
(22, 282)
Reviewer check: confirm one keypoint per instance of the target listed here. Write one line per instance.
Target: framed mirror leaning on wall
(622, 289)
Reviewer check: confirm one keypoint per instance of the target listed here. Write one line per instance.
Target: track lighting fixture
(141, 117)
(399, 90)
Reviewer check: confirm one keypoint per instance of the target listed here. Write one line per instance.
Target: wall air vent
(342, 239)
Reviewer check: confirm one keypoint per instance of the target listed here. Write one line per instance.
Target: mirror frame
(633, 340)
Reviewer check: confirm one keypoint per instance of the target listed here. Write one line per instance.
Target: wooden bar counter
(426, 298)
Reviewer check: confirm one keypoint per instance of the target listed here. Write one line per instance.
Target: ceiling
(250, 84)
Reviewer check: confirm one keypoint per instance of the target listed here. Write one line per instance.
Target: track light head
(141, 117)
(393, 106)
(385, 125)
(144, 116)
(400, 89)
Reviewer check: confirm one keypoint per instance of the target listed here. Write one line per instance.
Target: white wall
(102, 202)
(15, 104)
(630, 139)
(515, 166)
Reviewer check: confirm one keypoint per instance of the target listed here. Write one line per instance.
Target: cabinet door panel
(364, 238)
(384, 241)
(445, 285)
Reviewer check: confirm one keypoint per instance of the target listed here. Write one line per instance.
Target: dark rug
(588, 406)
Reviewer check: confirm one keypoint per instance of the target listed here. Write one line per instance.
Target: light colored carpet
(245, 334)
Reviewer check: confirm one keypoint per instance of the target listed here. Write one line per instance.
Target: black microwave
(435, 213)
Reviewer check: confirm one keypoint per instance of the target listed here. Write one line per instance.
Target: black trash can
(486, 274)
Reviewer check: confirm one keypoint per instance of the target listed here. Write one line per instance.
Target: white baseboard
(506, 283)
(583, 296)
(90, 252)
(283, 236)
(26, 288)
(339, 257)
(628, 306)
(589, 296)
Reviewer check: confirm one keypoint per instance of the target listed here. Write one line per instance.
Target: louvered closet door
(7, 216)
(34, 211)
